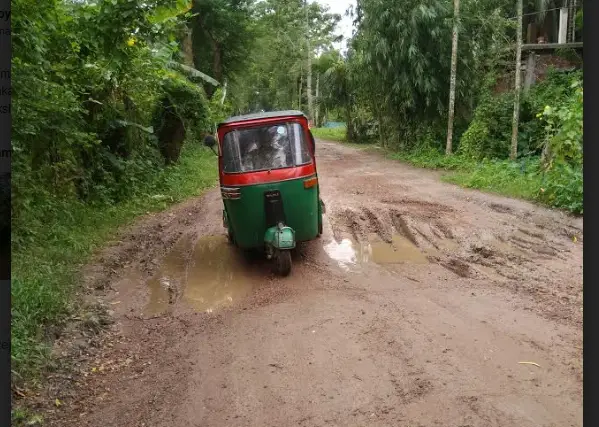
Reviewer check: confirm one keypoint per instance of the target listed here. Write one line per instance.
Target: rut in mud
(416, 307)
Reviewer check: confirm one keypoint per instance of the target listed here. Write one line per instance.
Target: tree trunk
(349, 129)
(380, 120)
(316, 113)
(452, 77)
(517, 85)
(309, 70)
(222, 100)
(299, 93)
(187, 48)
(572, 25)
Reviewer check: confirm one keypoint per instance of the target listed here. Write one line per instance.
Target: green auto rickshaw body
(246, 216)
(274, 206)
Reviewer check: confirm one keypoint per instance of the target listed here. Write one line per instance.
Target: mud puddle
(205, 276)
(350, 253)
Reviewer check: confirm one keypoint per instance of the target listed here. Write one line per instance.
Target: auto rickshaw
(269, 184)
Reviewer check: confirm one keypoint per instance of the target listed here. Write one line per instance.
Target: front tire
(282, 261)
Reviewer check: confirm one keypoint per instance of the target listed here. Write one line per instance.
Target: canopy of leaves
(275, 76)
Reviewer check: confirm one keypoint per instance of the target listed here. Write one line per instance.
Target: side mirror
(209, 141)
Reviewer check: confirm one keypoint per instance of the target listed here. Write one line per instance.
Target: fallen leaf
(574, 239)
(530, 363)
(57, 403)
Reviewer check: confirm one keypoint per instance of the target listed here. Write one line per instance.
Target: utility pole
(309, 71)
(452, 77)
(517, 85)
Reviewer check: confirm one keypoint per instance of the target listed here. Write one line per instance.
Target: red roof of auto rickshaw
(264, 115)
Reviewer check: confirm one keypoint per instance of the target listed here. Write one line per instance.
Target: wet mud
(415, 307)
(206, 275)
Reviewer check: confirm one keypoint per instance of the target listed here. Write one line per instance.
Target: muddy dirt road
(417, 307)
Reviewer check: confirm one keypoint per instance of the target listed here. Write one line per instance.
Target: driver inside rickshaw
(267, 149)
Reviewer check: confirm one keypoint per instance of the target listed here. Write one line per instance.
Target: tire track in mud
(514, 258)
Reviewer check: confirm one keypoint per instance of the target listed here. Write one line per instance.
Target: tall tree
(517, 85)
(289, 35)
(452, 78)
(222, 32)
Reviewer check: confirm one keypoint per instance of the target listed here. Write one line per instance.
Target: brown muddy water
(205, 276)
(349, 252)
(212, 273)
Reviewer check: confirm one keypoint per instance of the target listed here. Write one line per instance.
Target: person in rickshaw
(267, 150)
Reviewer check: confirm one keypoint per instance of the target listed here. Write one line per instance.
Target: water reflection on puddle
(210, 275)
(349, 253)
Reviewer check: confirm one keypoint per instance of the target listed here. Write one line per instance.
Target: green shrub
(87, 77)
(564, 127)
(563, 154)
(562, 187)
(183, 108)
(489, 133)
(57, 233)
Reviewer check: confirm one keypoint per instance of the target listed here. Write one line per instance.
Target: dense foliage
(393, 87)
(101, 104)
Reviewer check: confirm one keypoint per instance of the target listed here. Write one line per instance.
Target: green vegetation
(107, 120)
(46, 263)
(514, 179)
(396, 95)
(112, 97)
(330, 134)
(549, 168)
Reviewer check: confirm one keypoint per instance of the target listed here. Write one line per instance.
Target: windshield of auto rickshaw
(267, 147)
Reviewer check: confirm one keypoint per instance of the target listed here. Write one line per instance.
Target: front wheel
(282, 261)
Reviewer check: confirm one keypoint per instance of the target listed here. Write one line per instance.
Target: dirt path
(431, 333)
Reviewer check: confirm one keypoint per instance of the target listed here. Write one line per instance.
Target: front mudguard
(280, 237)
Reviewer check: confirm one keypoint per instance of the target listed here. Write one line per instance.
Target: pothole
(349, 252)
(210, 275)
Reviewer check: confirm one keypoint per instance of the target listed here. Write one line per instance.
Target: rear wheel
(282, 261)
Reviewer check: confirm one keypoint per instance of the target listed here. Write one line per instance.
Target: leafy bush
(87, 80)
(183, 106)
(563, 153)
(563, 128)
(489, 133)
(56, 234)
(562, 187)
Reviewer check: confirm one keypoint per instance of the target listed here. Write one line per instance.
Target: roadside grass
(330, 134)
(61, 238)
(520, 179)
